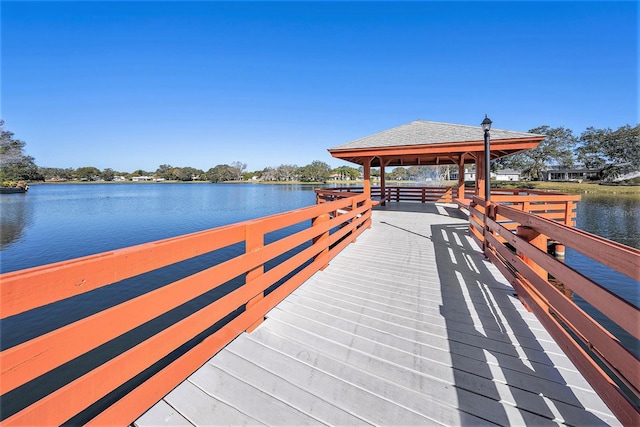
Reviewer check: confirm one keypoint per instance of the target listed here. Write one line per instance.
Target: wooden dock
(410, 325)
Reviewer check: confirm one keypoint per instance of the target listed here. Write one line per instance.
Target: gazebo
(425, 143)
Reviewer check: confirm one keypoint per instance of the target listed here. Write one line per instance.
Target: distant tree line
(606, 150)
(316, 171)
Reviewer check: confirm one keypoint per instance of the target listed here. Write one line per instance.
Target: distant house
(468, 175)
(570, 174)
(141, 178)
(507, 175)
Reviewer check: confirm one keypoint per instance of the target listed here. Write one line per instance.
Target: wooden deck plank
(409, 325)
(346, 298)
(340, 390)
(429, 362)
(248, 399)
(407, 352)
(162, 415)
(426, 379)
(298, 397)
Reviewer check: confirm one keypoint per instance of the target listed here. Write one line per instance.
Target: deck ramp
(409, 325)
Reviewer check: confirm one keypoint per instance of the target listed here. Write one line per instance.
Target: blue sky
(132, 85)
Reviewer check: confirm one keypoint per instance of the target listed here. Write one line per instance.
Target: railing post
(568, 213)
(539, 241)
(322, 240)
(488, 210)
(254, 241)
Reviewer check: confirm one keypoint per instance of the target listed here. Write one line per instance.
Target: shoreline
(563, 187)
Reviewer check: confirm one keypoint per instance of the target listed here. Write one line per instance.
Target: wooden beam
(367, 176)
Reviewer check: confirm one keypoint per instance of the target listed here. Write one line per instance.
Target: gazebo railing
(550, 205)
(422, 194)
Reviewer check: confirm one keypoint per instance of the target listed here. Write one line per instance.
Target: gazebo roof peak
(422, 132)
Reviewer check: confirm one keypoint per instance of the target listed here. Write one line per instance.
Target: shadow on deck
(410, 325)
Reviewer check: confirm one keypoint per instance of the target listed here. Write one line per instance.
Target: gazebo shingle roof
(420, 132)
(432, 143)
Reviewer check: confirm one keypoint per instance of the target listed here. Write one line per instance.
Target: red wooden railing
(397, 193)
(551, 205)
(516, 242)
(26, 290)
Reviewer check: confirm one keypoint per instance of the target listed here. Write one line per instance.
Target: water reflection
(615, 217)
(14, 217)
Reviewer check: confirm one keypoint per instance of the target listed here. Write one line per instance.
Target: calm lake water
(54, 222)
(57, 222)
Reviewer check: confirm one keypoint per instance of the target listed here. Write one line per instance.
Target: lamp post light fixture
(486, 126)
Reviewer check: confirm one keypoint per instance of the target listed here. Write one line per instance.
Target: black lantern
(486, 126)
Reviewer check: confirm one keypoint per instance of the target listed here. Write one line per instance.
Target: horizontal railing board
(612, 254)
(27, 289)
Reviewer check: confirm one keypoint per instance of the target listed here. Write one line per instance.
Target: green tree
(56, 173)
(140, 172)
(248, 175)
(399, 174)
(165, 172)
(610, 151)
(623, 145)
(286, 173)
(418, 173)
(346, 173)
(557, 149)
(87, 173)
(589, 152)
(108, 174)
(190, 174)
(15, 165)
(317, 171)
(220, 173)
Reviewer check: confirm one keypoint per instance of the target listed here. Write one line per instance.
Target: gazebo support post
(383, 187)
(366, 165)
(461, 177)
(480, 175)
(383, 190)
